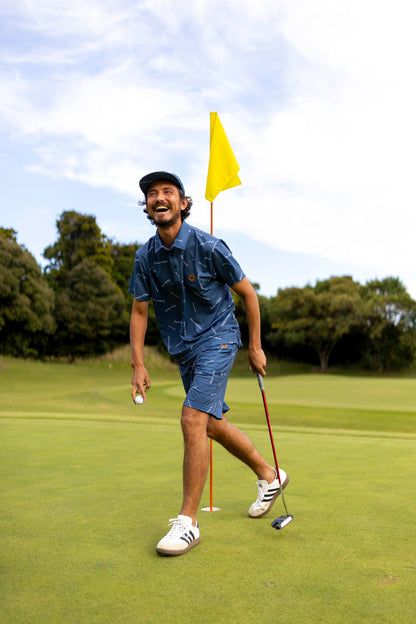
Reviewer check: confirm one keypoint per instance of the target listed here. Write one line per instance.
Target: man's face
(164, 204)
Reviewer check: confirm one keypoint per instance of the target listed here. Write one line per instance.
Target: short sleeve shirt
(189, 284)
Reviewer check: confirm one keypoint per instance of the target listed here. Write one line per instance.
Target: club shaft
(266, 409)
(263, 394)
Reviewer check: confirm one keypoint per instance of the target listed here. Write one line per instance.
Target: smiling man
(188, 275)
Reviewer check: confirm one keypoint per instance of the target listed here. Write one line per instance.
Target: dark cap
(148, 179)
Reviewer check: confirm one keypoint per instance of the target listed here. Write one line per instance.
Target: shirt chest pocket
(199, 283)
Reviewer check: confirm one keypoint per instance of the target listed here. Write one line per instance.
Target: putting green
(89, 481)
(86, 502)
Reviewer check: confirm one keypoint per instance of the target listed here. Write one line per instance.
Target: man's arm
(256, 355)
(140, 380)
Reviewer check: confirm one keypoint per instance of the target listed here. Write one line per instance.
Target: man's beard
(167, 224)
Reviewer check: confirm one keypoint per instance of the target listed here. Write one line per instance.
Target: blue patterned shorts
(205, 376)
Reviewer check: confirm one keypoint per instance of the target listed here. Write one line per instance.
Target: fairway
(89, 482)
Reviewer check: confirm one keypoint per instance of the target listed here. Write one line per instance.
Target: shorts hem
(209, 411)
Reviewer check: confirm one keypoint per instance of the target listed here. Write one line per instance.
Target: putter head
(282, 521)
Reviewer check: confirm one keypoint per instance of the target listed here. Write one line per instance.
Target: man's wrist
(137, 364)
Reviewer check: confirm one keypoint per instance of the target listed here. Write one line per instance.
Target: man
(188, 273)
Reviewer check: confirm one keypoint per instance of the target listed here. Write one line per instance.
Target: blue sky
(317, 98)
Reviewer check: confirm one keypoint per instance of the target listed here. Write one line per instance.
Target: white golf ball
(139, 399)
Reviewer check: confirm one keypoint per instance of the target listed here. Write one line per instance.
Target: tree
(316, 317)
(26, 300)
(123, 260)
(390, 315)
(90, 312)
(79, 238)
(8, 234)
(122, 263)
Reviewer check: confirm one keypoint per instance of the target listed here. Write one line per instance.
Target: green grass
(89, 482)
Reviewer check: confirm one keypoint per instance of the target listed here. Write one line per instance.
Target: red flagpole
(210, 442)
(219, 138)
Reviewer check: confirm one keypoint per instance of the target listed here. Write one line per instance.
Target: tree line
(78, 305)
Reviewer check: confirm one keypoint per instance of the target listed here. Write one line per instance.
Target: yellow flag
(223, 165)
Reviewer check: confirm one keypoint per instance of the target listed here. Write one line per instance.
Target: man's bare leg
(239, 444)
(196, 425)
(196, 459)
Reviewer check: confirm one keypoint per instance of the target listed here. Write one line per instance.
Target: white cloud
(317, 99)
(337, 164)
(55, 18)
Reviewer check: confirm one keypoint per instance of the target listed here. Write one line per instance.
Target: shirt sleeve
(225, 265)
(139, 281)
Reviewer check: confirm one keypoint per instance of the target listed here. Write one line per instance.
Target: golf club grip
(260, 381)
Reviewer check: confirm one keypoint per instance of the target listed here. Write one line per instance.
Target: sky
(317, 99)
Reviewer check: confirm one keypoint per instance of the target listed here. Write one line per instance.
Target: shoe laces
(262, 487)
(177, 527)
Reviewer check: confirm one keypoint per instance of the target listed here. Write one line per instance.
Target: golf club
(281, 521)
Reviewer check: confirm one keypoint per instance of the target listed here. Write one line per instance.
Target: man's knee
(193, 421)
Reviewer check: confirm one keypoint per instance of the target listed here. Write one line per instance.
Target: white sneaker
(181, 537)
(268, 492)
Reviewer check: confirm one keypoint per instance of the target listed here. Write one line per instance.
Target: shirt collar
(180, 241)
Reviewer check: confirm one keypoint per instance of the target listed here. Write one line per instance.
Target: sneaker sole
(284, 484)
(172, 553)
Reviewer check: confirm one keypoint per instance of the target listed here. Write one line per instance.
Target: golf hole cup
(139, 399)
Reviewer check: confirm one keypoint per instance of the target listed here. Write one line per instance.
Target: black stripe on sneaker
(188, 537)
(270, 494)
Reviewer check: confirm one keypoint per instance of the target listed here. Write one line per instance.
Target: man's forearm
(140, 380)
(253, 321)
(251, 304)
(138, 327)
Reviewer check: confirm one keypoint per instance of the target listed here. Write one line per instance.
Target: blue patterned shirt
(189, 284)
